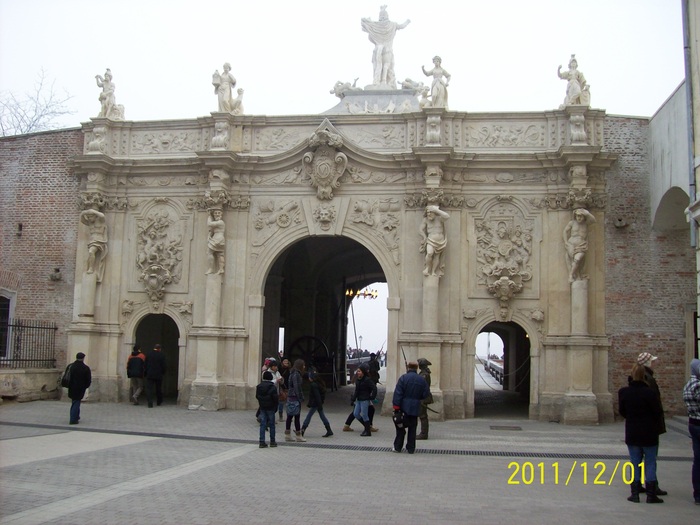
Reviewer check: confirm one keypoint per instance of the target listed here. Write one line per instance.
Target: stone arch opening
(511, 372)
(161, 329)
(670, 214)
(305, 294)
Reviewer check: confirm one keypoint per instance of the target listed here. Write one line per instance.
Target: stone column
(212, 301)
(579, 307)
(87, 297)
(430, 303)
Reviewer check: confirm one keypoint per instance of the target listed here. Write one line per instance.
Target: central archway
(305, 294)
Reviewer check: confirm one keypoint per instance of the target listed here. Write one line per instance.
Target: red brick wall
(38, 190)
(650, 275)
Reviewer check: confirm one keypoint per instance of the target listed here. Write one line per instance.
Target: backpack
(65, 380)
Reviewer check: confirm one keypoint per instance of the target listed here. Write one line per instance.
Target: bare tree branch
(36, 111)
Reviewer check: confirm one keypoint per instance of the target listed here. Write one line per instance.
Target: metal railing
(28, 344)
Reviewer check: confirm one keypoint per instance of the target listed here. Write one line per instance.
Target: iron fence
(28, 344)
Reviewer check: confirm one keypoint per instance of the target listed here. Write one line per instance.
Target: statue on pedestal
(97, 243)
(433, 243)
(216, 242)
(381, 34)
(223, 87)
(576, 242)
(438, 90)
(577, 90)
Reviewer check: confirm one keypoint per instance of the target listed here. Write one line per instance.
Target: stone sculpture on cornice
(576, 241)
(441, 79)
(577, 90)
(223, 88)
(325, 165)
(108, 105)
(381, 34)
(340, 89)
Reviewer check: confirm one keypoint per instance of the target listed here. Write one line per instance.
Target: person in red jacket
(135, 370)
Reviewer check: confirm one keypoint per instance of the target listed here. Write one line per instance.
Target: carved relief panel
(505, 253)
(160, 240)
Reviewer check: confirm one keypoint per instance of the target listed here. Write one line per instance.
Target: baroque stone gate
(469, 218)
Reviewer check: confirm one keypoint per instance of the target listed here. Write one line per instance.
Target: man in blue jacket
(410, 390)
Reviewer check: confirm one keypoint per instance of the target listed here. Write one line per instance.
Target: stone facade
(509, 184)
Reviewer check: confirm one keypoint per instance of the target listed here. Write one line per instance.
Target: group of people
(280, 391)
(640, 405)
(146, 370)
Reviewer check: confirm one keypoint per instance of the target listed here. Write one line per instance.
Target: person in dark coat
(295, 396)
(641, 408)
(410, 390)
(80, 380)
(317, 396)
(365, 393)
(135, 370)
(646, 360)
(155, 370)
(268, 398)
(374, 367)
(691, 397)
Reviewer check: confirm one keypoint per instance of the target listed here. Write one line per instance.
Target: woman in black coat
(641, 408)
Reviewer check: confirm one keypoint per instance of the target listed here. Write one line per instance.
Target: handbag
(293, 408)
(65, 380)
(282, 395)
(398, 419)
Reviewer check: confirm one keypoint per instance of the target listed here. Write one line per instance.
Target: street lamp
(360, 338)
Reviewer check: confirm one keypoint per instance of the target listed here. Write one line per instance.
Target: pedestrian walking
(155, 370)
(266, 394)
(284, 386)
(294, 398)
(641, 408)
(317, 396)
(365, 393)
(691, 396)
(410, 390)
(78, 382)
(135, 371)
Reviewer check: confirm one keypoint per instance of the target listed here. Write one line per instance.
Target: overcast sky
(502, 55)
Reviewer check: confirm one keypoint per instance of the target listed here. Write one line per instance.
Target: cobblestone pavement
(127, 464)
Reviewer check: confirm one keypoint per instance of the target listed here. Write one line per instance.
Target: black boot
(329, 432)
(634, 487)
(651, 493)
(367, 431)
(660, 492)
